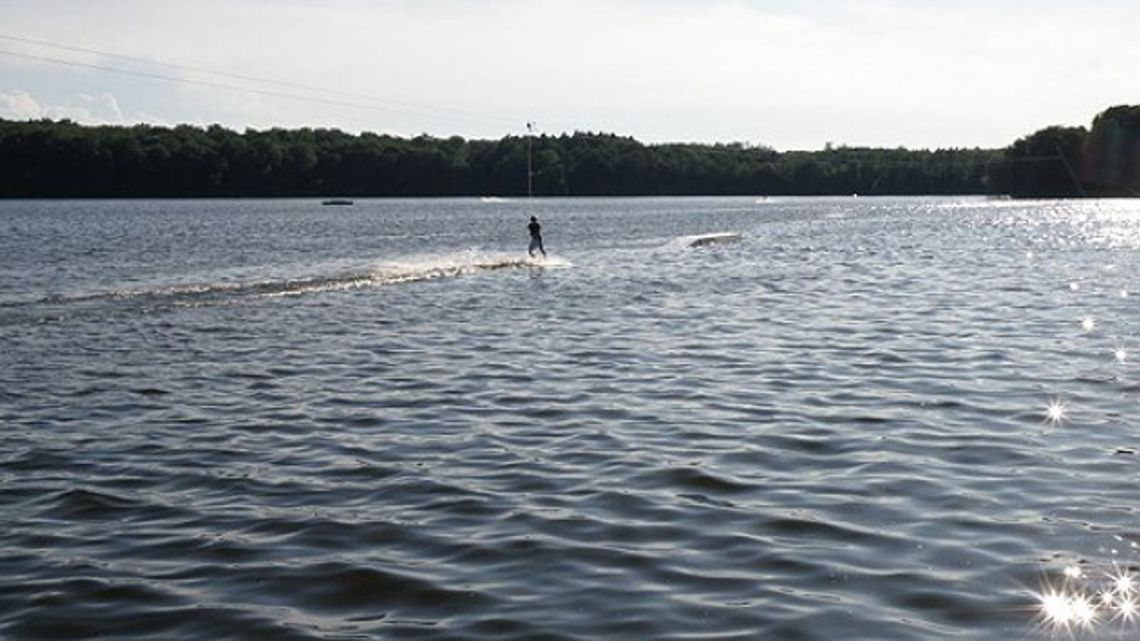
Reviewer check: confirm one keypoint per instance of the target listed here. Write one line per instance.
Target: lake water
(867, 419)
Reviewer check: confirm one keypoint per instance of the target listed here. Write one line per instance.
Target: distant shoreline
(513, 200)
(62, 160)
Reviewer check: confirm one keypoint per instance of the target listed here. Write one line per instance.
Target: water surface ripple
(264, 419)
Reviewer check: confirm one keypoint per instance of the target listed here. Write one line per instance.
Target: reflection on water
(861, 419)
(1057, 411)
(1089, 604)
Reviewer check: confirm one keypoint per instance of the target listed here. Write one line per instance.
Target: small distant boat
(336, 201)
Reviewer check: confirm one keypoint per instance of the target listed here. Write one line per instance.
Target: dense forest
(63, 159)
(1103, 161)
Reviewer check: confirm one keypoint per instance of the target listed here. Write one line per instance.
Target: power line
(197, 69)
(374, 103)
(190, 81)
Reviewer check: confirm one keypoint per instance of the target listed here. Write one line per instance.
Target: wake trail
(404, 270)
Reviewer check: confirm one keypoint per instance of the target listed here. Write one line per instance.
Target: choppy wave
(907, 433)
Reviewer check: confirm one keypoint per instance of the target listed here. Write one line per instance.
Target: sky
(781, 73)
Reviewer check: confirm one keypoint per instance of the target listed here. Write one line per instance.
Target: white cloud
(19, 105)
(100, 109)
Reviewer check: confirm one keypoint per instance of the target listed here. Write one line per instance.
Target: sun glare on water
(1056, 411)
(1083, 602)
(1088, 323)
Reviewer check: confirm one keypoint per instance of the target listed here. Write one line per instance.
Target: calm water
(276, 420)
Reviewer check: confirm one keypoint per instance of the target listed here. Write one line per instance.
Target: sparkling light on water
(1088, 323)
(1084, 611)
(1088, 602)
(1056, 608)
(1056, 412)
(1126, 609)
(1120, 353)
(1124, 583)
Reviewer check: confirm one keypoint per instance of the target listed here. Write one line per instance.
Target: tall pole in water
(529, 172)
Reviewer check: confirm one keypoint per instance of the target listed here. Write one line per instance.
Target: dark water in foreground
(273, 420)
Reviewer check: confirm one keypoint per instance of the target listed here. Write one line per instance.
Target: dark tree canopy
(1111, 153)
(1042, 165)
(63, 159)
(1064, 162)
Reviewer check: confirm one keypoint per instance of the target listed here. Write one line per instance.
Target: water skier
(535, 237)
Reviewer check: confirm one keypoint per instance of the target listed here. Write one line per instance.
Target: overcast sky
(792, 75)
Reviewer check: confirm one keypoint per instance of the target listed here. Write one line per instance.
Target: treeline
(1069, 162)
(63, 159)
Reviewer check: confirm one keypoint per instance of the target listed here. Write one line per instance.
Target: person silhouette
(535, 230)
